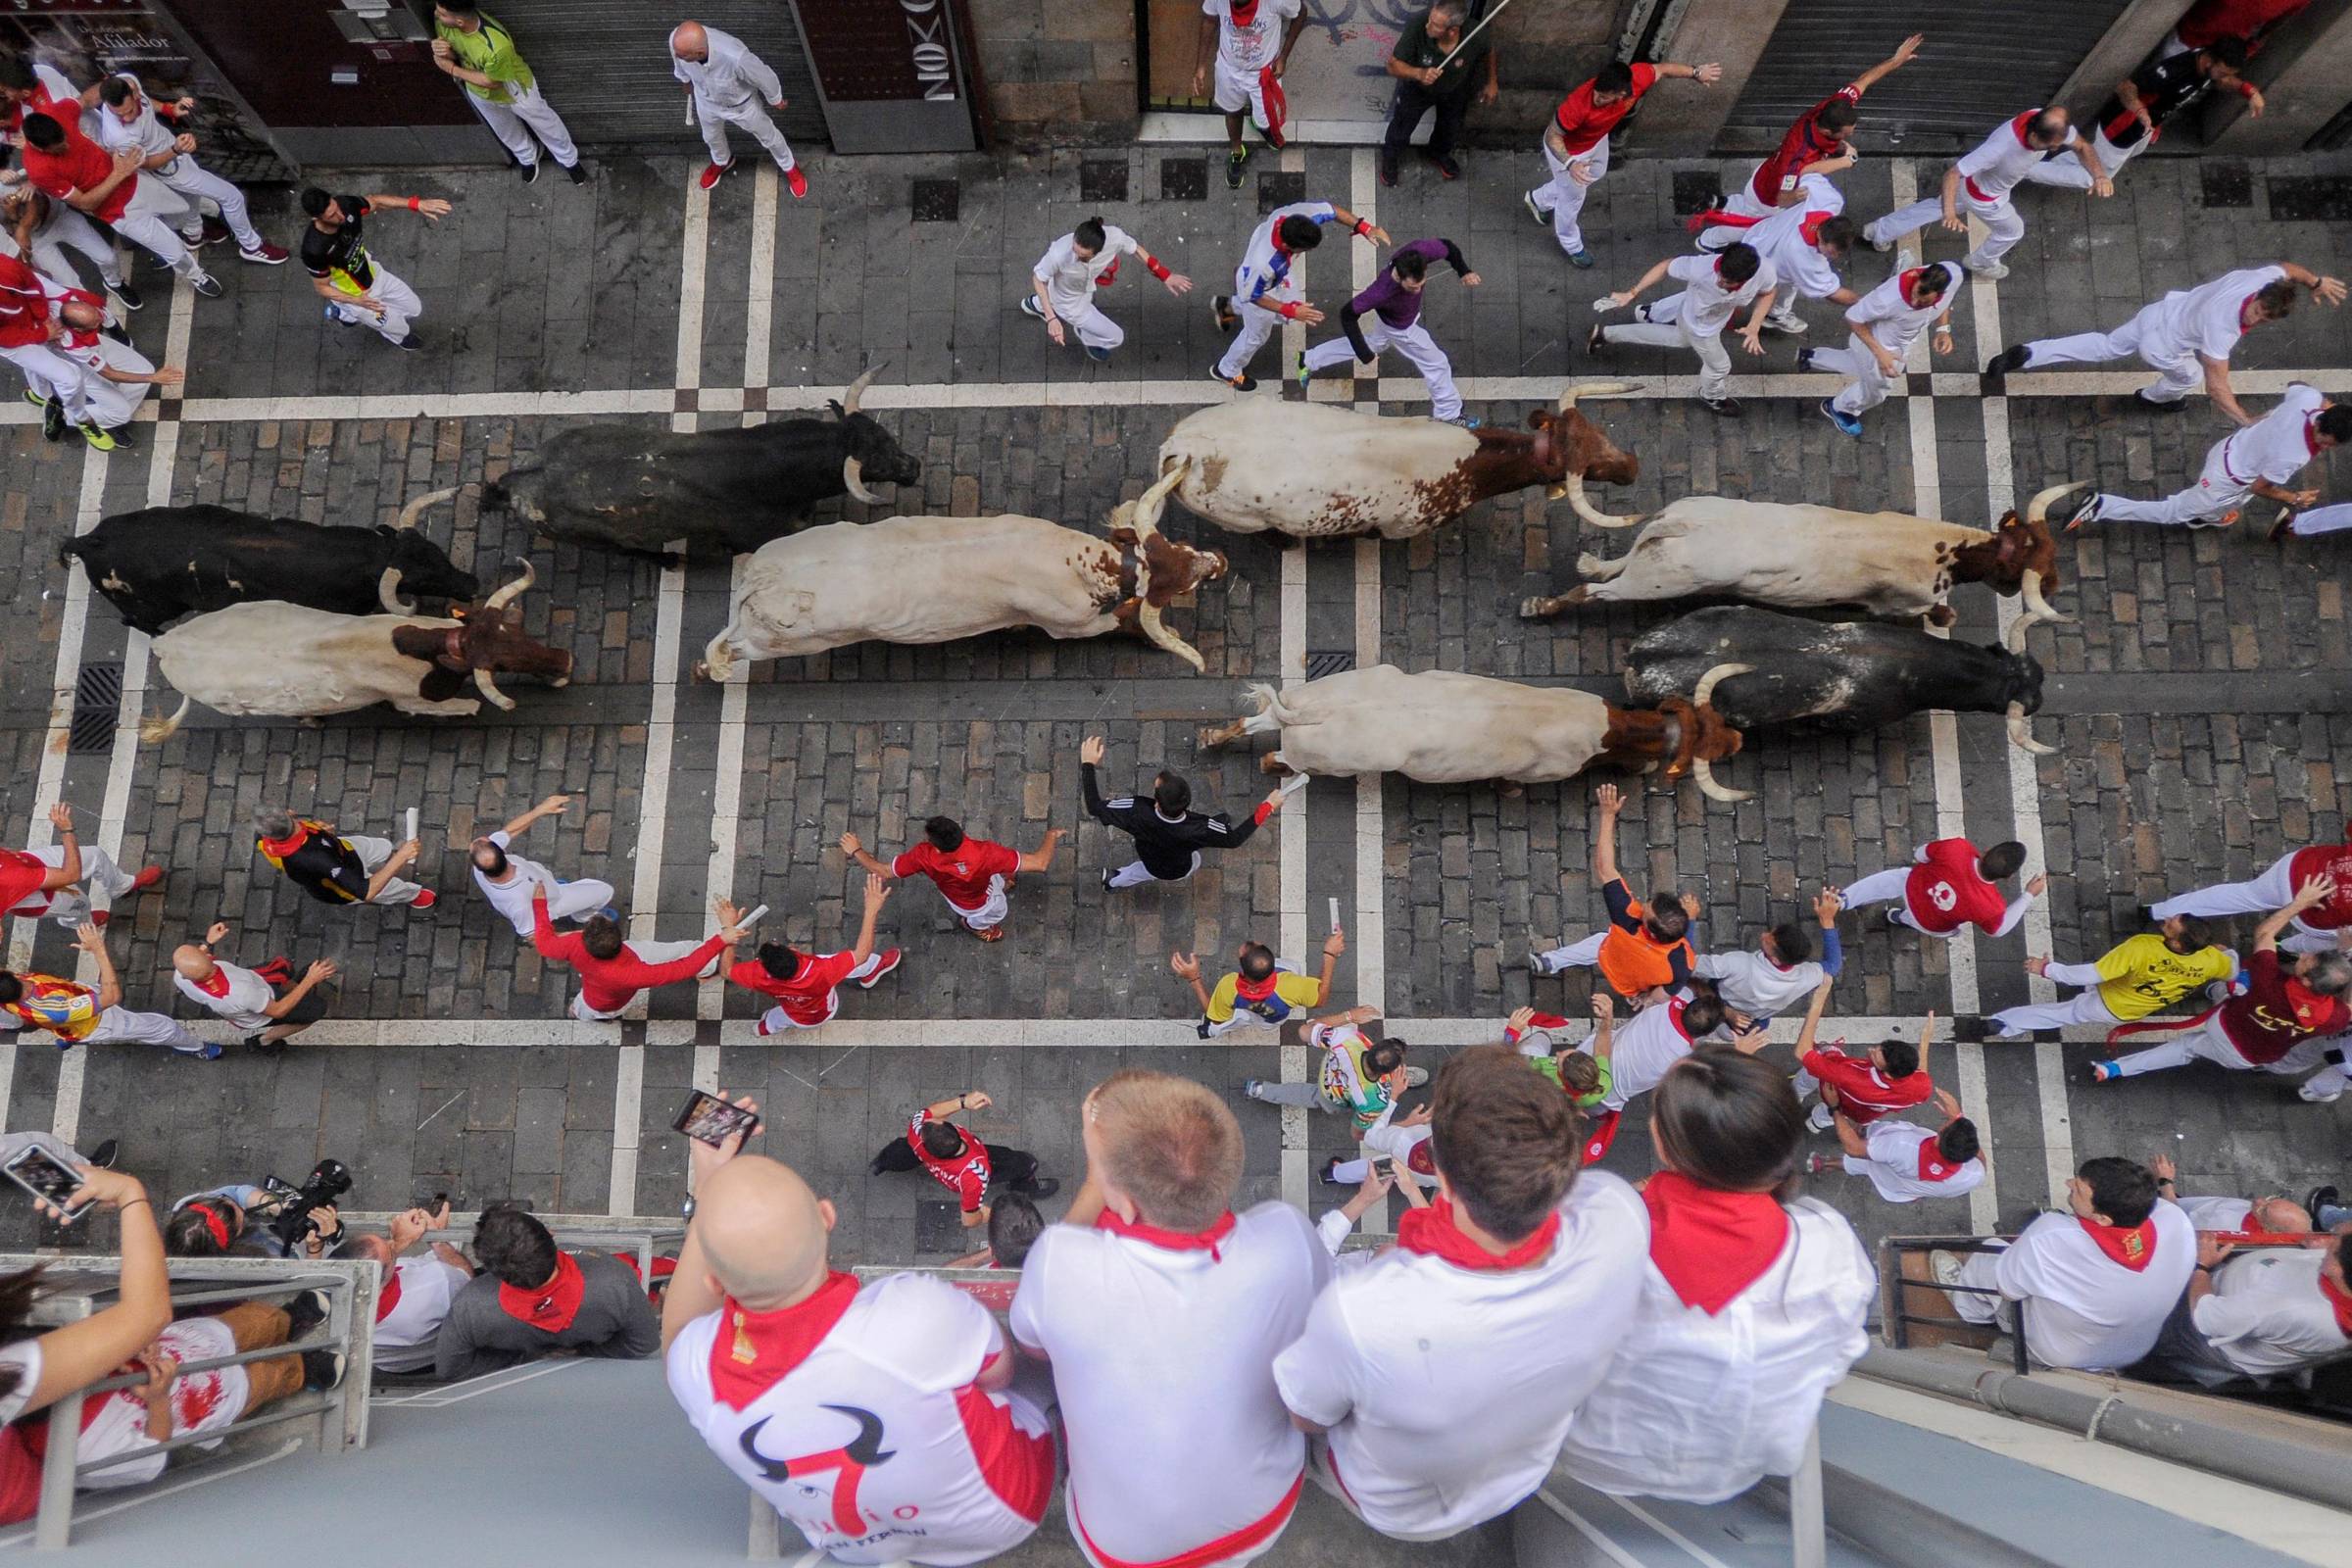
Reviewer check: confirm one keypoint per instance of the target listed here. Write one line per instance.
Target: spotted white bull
(935, 579)
(1316, 471)
(269, 659)
(1443, 727)
(1806, 557)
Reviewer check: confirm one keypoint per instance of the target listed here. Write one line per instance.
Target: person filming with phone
(412, 1297)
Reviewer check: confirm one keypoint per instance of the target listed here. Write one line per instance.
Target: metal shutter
(1985, 60)
(604, 64)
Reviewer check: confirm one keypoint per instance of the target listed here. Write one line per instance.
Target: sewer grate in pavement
(1183, 179)
(937, 201)
(938, 1227)
(1103, 180)
(2303, 198)
(2226, 183)
(1280, 188)
(1330, 661)
(1695, 190)
(97, 708)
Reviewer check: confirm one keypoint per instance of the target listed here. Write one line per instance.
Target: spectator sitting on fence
(532, 1298)
(413, 1296)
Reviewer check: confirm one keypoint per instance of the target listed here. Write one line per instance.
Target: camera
(328, 1181)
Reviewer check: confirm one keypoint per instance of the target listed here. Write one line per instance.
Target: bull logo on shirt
(848, 1463)
(1943, 895)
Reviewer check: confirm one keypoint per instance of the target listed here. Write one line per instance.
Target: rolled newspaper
(412, 823)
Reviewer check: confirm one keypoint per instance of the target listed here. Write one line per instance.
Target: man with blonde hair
(1161, 1312)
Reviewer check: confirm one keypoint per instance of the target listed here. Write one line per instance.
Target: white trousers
(1561, 198)
(2182, 371)
(1257, 326)
(1236, 92)
(1134, 874)
(50, 375)
(200, 184)
(1661, 325)
(69, 907)
(1983, 1269)
(566, 900)
(776, 1020)
(372, 853)
(1095, 329)
(2271, 891)
(1581, 954)
(120, 1025)
(2322, 520)
(1351, 1173)
(2215, 495)
(154, 208)
(992, 911)
(2084, 1007)
(1890, 886)
(1867, 385)
(1414, 343)
(2004, 227)
(400, 306)
(506, 121)
(651, 953)
(64, 229)
(2212, 1045)
(2066, 170)
(115, 404)
(752, 116)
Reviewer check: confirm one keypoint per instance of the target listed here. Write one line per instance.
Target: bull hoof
(1539, 608)
(1273, 763)
(1210, 740)
(1512, 789)
(702, 669)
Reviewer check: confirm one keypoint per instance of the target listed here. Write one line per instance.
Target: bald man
(267, 1006)
(413, 1296)
(803, 1383)
(728, 84)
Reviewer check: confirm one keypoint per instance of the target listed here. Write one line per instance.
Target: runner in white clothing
(1885, 323)
(1979, 184)
(1803, 244)
(728, 84)
(1267, 289)
(1253, 39)
(1062, 285)
(1906, 1161)
(267, 1006)
(507, 880)
(2187, 335)
(2257, 461)
(1756, 987)
(131, 119)
(1713, 290)
(116, 377)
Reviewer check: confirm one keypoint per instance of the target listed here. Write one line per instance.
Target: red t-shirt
(609, 985)
(20, 875)
(1864, 1092)
(2209, 20)
(80, 165)
(963, 876)
(24, 305)
(808, 997)
(2276, 1014)
(964, 1174)
(1803, 144)
(1584, 123)
(2329, 860)
(1945, 890)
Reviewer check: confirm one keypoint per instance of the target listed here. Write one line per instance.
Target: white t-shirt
(1750, 983)
(512, 897)
(1643, 1048)
(2277, 446)
(956, 1475)
(145, 131)
(2001, 161)
(1707, 306)
(403, 1336)
(1780, 240)
(2207, 319)
(731, 78)
(1699, 1407)
(2082, 1309)
(2217, 1213)
(1071, 282)
(201, 1402)
(1448, 1389)
(2266, 1314)
(1163, 1361)
(1894, 1154)
(241, 1004)
(1250, 49)
(1894, 321)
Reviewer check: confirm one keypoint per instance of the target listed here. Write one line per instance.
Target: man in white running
(728, 84)
(1062, 285)
(1253, 39)
(129, 117)
(2187, 335)
(116, 377)
(1266, 291)
(1885, 323)
(1979, 184)
(1713, 288)
(1804, 244)
(2257, 461)
(507, 880)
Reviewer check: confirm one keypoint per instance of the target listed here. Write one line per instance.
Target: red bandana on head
(2133, 1246)
(752, 1350)
(1207, 1241)
(1432, 1232)
(1711, 1245)
(553, 1305)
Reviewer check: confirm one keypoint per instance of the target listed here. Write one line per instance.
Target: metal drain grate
(937, 201)
(97, 708)
(1328, 662)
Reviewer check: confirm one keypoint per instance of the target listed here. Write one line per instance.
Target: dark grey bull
(1843, 676)
(634, 489)
(163, 563)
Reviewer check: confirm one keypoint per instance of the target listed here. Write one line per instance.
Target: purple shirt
(1396, 305)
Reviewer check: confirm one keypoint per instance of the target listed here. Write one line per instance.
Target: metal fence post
(55, 1522)
(767, 1530)
(1809, 1545)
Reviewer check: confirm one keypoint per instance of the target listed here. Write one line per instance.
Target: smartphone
(45, 1176)
(712, 1120)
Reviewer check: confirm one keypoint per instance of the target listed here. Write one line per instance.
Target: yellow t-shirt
(2141, 975)
(1292, 993)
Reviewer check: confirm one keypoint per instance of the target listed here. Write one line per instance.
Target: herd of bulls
(295, 619)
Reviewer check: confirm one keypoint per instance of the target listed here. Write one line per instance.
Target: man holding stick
(1441, 62)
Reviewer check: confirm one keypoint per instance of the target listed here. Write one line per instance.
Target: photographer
(241, 1220)
(415, 1295)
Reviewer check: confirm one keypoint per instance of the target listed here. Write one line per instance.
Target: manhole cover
(1280, 188)
(937, 201)
(1321, 664)
(1100, 179)
(1183, 179)
(97, 708)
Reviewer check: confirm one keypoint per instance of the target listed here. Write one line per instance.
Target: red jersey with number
(1582, 122)
(1946, 891)
(2329, 861)
(807, 995)
(80, 165)
(963, 874)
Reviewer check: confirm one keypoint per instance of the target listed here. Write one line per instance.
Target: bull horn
(852, 480)
(1590, 512)
(1147, 621)
(415, 508)
(2029, 589)
(1713, 677)
(387, 590)
(1153, 501)
(2038, 509)
(1595, 389)
(510, 592)
(157, 730)
(866, 378)
(489, 689)
(1704, 773)
(2022, 737)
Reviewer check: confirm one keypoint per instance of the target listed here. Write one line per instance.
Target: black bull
(1844, 676)
(632, 489)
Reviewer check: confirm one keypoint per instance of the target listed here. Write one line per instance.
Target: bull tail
(1265, 701)
(72, 550)
(496, 496)
(157, 730)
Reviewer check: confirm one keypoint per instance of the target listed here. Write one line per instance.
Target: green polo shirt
(490, 50)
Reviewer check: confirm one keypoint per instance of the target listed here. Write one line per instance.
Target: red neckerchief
(2311, 1007)
(2341, 1301)
(1811, 227)
(752, 1350)
(1243, 12)
(1933, 1166)
(2021, 126)
(553, 1305)
(1711, 1245)
(1208, 1241)
(1250, 990)
(1432, 1232)
(217, 985)
(389, 1297)
(2133, 1246)
(281, 848)
(75, 338)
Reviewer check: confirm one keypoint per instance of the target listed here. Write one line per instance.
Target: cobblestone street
(2198, 696)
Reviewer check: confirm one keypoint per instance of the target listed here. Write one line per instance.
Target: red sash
(1605, 1133)
(1278, 105)
(1246, 1538)
(1432, 1232)
(553, 1305)
(2133, 1246)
